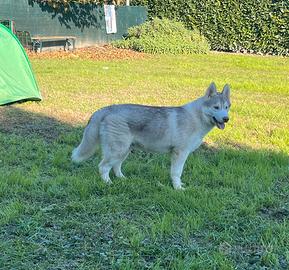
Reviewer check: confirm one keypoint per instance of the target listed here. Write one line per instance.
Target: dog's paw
(121, 176)
(179, 187)
(107, 181)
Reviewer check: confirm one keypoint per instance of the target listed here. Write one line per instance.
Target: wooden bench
(48, 41)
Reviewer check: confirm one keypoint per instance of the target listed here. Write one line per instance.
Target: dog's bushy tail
(89, 140)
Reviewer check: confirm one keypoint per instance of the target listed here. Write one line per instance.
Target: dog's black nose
(226, 119)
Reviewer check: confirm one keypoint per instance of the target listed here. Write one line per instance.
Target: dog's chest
(194, 142)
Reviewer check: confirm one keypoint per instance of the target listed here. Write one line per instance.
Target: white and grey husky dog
(177, 130)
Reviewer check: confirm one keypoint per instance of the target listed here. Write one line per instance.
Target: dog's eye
(216, 107)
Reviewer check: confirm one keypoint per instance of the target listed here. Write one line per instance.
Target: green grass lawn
(234, 213)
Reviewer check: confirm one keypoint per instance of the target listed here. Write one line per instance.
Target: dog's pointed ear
(211, 91)
(226, 91)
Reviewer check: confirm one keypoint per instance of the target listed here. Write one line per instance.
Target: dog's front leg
(177, 164)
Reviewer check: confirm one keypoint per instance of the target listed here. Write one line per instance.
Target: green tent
(17, 81)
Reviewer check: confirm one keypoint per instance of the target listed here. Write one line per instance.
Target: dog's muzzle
(221, 125)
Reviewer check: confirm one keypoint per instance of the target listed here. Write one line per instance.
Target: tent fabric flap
(17, 81)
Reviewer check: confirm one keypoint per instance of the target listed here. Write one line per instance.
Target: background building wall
(85, 21)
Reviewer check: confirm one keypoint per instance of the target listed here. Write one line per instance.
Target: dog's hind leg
(112, 160)
(104, 169)
(115, 141)
(117, 166)
(114, 153)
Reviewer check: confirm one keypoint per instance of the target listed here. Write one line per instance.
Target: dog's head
(217, 105)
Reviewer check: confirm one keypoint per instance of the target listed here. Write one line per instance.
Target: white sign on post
(110, 19)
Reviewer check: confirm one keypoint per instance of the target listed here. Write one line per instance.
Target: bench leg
(73, 44)
(66, 44)
(70, 42)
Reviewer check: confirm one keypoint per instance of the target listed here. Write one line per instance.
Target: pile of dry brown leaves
(95, 53)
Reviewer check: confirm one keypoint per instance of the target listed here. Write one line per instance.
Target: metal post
(127, 2)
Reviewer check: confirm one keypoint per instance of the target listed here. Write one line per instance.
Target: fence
(84, 21)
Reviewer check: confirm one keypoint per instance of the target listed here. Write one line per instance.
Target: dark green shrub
(163, 36)
(230, 25)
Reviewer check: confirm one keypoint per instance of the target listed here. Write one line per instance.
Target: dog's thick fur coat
(178, 130)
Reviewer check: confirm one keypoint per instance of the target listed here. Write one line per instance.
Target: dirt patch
(106, 52)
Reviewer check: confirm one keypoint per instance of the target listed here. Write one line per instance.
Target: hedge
(259, 26)
(163, 36)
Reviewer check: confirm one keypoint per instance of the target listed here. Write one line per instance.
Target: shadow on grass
(28, 124)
